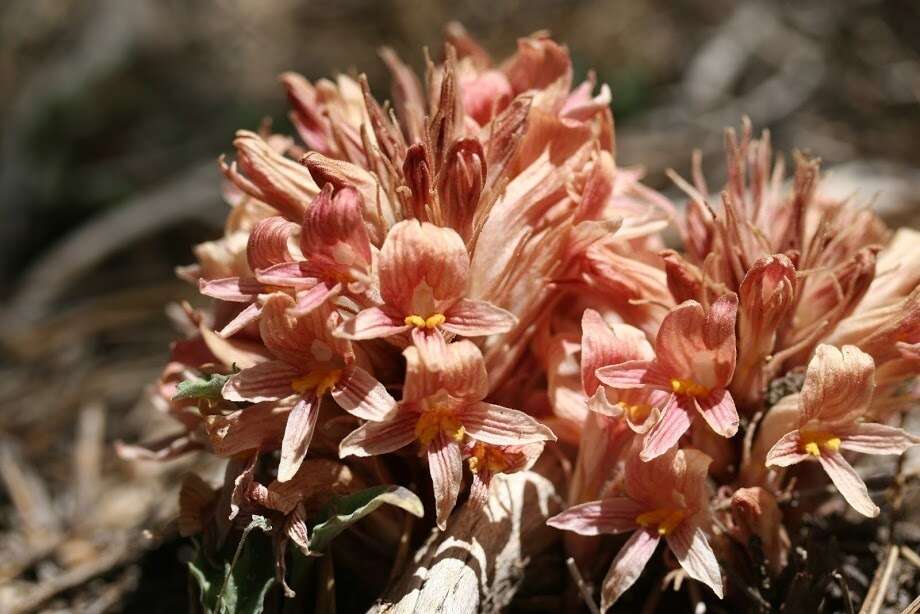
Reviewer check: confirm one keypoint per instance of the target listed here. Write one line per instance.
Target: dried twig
(582, 586)
(876, 595)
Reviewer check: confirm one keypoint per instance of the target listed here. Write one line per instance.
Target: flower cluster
(465, 275)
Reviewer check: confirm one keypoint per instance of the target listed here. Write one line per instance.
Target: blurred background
(113, 113)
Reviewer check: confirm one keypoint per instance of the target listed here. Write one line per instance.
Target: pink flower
(694, 362)
(439, 409)
(310, 363)
(835, 398)
(424, 276)
(665, 497)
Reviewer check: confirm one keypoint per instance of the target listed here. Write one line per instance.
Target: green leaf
(208, 388)
(237, 585)
(347, 510)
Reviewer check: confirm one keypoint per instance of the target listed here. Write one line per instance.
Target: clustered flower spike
(455, 279)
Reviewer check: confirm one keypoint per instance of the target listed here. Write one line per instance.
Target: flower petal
(787, 451)
(310, 299)
(470, 318)
(692, 550)
(671, 427)
(501, 426)
(268, 242)
(718, 410)
(602, 346)
(633, 374)
(298, 432)
(231, 289)
(462, 373)
(872, 438)
(259, 426)
(361, 395)
(374, 438)
(445, 463)
(692, 344)
(247, 316)
(267, 381)
(610, 515)
(287, 274)
(848, 483)
(423, 268)
(838, 385)
(371, 323)
(628, 566)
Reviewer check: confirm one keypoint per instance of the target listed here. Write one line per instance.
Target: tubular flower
(835, 399)
(309, 364)
(664, 498)
(694, 363)
(424, 273)
(440, 409)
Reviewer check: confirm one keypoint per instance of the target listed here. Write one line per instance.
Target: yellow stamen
(638, 414)
(432, 321)
(490, 458)
(433, 422)
(318, 381)
(689, 388)
(663, 519)
(815, 441)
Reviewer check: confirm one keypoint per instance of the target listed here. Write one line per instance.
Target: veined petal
(373, 438)
(298, 432)
(231, 289)
(423, 268)
(432, 347)
(267, 381)
(787, 451)
(268, 242)
(610, 515)
(602, 346)
(671, 427)
(445, 463)
(696, 345)
(298, 340)
(310, 299)
(848, 483)
(287, 274)
(361, 395)
(719, 412)
(470, 318)
(633, 374)
(692, 550)
(872, 438)
(502, 426)
(461, 374)
(243, 319)
(628, 565)
(371, 323)
(838, 385)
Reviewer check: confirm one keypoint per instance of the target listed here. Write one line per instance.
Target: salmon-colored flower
(666, 497)
(310, 363)
(440, 408)
(835, 398)
(694, 362)
(424, 277)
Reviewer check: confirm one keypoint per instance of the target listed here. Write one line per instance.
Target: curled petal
(424, 269)
(628, 565)
(500, 426)
(610, 515)
(231, 289)
(871, 438)
(310, 299)
(247, 316)
(287, 274)
(445, 463)
(298, 432)
(371, 323)
(671, 427)
(461, 374)
(469, 318)
(838, 385)
(268, 242)
(602, 346)
(848, 483)
(700, 346)
(695, 555)
(633, 374)
(787, 451)
(297, 339)
(373, 438)
(358, 393)
(267, 381)
(718, 409)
